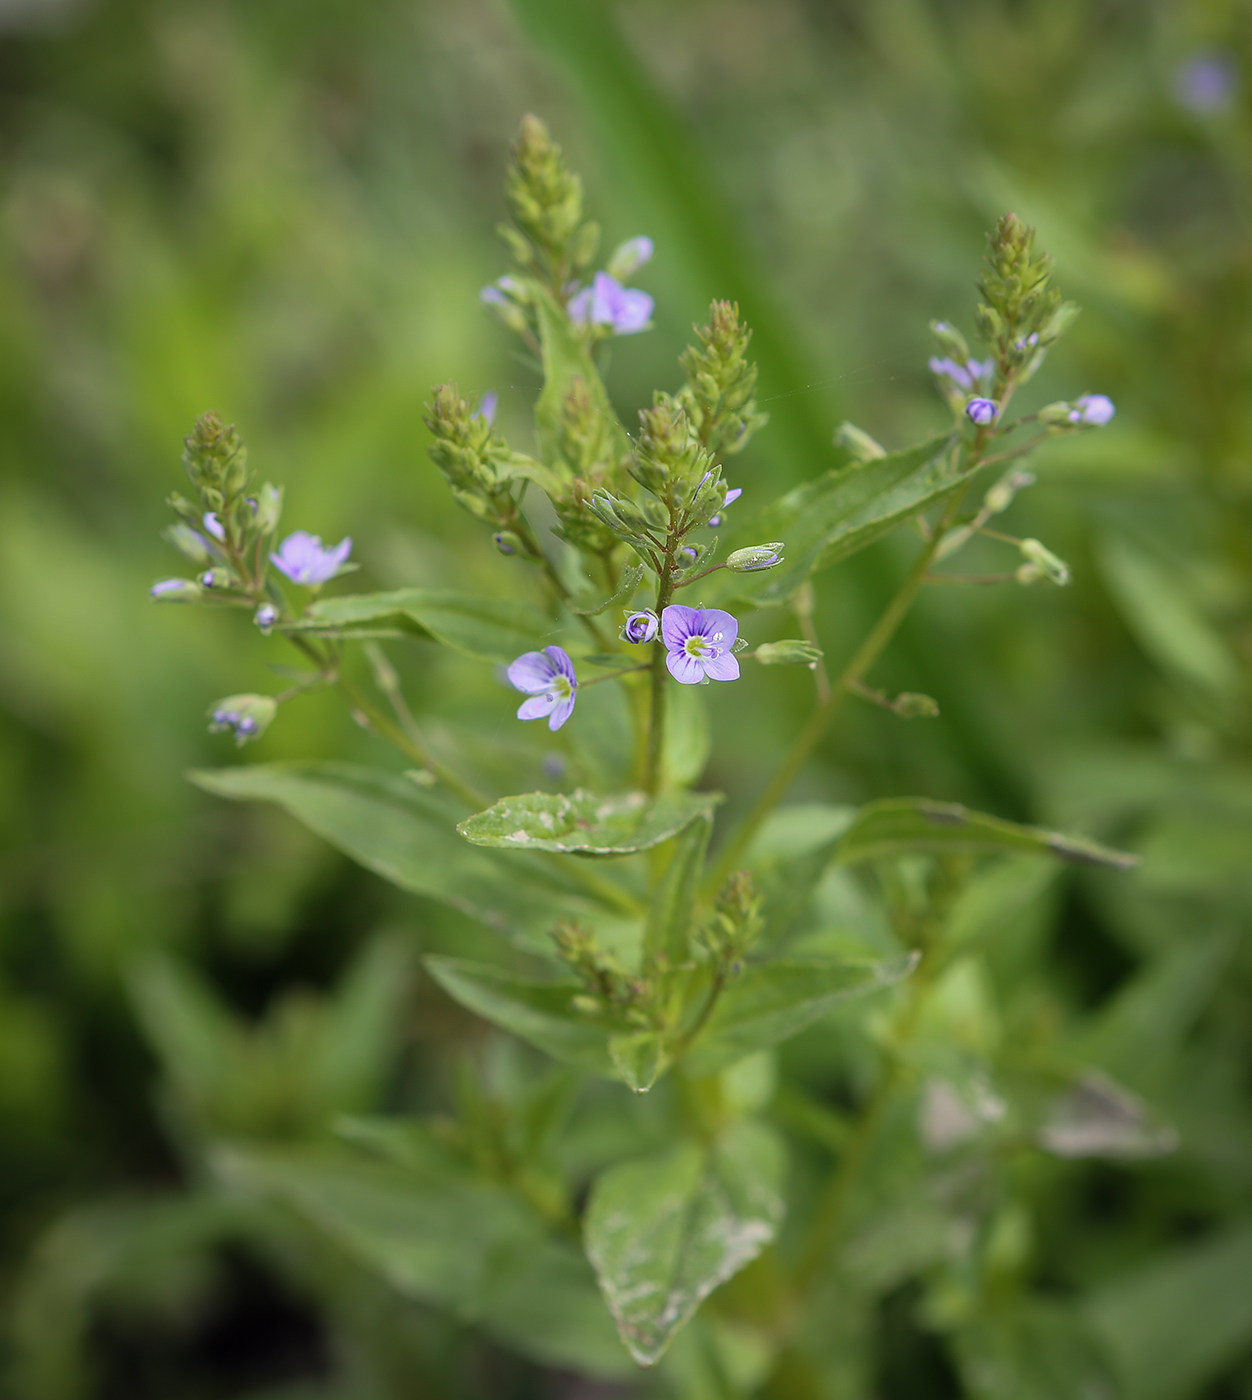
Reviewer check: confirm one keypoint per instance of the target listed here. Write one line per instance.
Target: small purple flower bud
(245, 716)
(629, 257)
(700, 643)
(304, 559)
(640, 627)
(688, 554)
(265, 616)
(1094, 410)
(506, 541)
(176, 590)
(487, 406)
(548, 677)
(755, 558)
(214, 526)
(982, 411)
(212, 578)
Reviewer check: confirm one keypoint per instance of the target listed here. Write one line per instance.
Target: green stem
(870, 650)
(656, 711)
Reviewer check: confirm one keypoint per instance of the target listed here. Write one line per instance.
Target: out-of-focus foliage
(283, 211)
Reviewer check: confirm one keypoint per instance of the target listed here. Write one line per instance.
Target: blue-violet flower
(304, 559)
(700, 643)
(982, 411)
(548, 677)
(625, 310)
(640, 626)
(487, 406)
(1093, 410)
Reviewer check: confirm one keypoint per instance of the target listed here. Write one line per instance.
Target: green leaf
(408, 836)
(663, 1231)
(1165, 622)
(771, 1002)
(632, 575)
(668, 926)
(538, 1012)
(850, 506)
(688, 738)
(639, 1057)
(585, 823)
(1174, 1323)
(899, 825)
(565, 358)
(1033, 1350)
(491, 629)
(447, 1239)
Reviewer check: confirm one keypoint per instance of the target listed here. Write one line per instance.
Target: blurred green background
(284, 211)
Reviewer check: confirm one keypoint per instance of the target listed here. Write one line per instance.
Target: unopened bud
(269, 508)
(629, 257)
(756, 557)
(176, 590)
(982, 411)
(1028, 573)
(214, 578)
(507, 542)
(189, 543)
(265, 616)
(1000, 497)
(1053, 569)
(910, 704)
(640, 627)
(790, 652)
(247, 717)
(858, 443)
(951, 339)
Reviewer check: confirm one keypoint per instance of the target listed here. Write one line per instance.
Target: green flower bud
(247, 717)
(756, 557)
(791, 652)
(910, 704)
(1053, 569)
(189, 543)
(176, 590)
(858, 443)
(952, 340)
(1000, 497)
(585, 244)
(269, 508)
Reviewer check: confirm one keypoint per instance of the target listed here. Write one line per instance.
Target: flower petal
(722, 668)
(532, 672)
(720, 627)
(678, 622)
(537, 706)
(558, 659)
(634, 311)
(684, 669)
(561, 711)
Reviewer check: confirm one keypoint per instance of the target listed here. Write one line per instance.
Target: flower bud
(269, 508)
(1053, 569)
(247, 717)
(189, 543)
(951, 339)
(1095, 410)
(629, 257)
(214, 578)
(910, 704)
(982, 411)
(858, 443)
(790, 652)
(507, 542)
(176, 590)
(640, 627)
(1000, 497)
(265, 617)
(755, 558)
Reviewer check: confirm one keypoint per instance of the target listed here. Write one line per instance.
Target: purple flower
(640, 627)
(700, 643)
(304, 559)
(982, 411)
(606, 302)
(1206, 82)
(1093, 410)
(487, 406)
(966, 377)
(214, 526)
(548, 677)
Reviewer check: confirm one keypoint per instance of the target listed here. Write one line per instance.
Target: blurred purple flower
(304, 559)
(700, 643)
(214, 526)
(487, 406)
(607, 303)
(965, 378)
(1206, 82)
(982, 411)
(548, 677)
(1093, 410)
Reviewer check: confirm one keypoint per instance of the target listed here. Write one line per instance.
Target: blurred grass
(284, 211)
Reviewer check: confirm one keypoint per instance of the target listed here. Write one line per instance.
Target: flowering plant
(646, 951)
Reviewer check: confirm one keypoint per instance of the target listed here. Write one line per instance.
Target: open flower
(700, 643)
(304, 559)
(964, 378)
(548, 677)
(625, 310)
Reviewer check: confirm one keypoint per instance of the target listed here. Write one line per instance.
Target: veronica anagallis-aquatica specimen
(649, 949)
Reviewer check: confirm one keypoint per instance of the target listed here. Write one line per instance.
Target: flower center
(560, 688)
(700, 646)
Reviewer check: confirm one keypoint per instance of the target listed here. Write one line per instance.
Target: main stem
(656, 711)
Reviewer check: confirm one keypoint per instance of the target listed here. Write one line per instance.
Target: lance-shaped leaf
(666, 933)
(582, 822)
(899, 825)
(771, 1002)
(539, 1012)
(408, 836)
(565, 358)
(823, 521)
(446, 1238)
(662, 1232)
(490, 629)
(639, 1058)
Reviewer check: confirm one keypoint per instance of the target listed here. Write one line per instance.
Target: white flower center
(697, 646)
